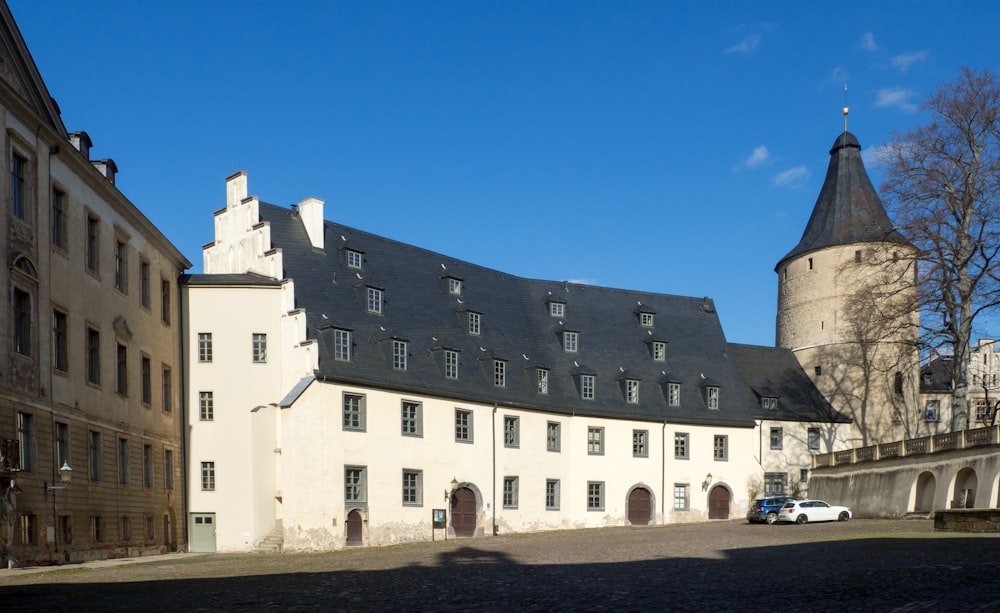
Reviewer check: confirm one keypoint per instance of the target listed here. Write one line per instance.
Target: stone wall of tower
(847, 313)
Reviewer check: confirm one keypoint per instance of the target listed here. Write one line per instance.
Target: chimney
(82, 142)
(107, 167)
(311, 213)
(236, 188)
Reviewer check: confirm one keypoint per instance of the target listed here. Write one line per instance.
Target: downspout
(494, 495)
(183, 317)
(663, 474)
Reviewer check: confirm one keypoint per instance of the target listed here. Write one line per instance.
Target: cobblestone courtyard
(721, 566)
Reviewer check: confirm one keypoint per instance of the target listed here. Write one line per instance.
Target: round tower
(846, 302)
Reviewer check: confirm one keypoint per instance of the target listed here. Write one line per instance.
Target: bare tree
(943, 186)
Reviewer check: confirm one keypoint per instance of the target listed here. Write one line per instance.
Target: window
(454, 286)
(147, 466)
(62, 445)
(168, 468)
(123, 461)
(557, 309)
(777, 438)
(353, 258)
(65, 529)
(355, 484)
(60, 341)
(510, 492)
(374, 300)
(150, 530)
(399, 355)
(168, 390)
(412, 418)
(646, 320)
(95, 529)
(774, 483)
(95, 456)
(93, 356)
(259, 341)
(595, 441)
(450, 364)
(126, 528)
(674, 394)
(595, 495)
(571, 341)
(463, 426)
(551, 494)
(818, 370)
(553, 436)
(18, 193)
(813, 439)
(342, 345)
(475, 322)
(543, 380)
(121, 266)
(511, 431)
(499, 373)
(22, 322)
(659, 351)
(720, 448)
(632, 391)
(982, 411)
(165, 301)
(204, 346)
(208, 476)
(144, 288)
(712, 396)
(206, 406)
(28, 530)
(768, 402)
(587, 387)
(640, 443)
(145, 372)
(93, 236)
(26, 440)
(681, 496)
(681, 440)
(354, 412)
(803, 474)
(121, 370)
(59, 238)
(932, 410)
(412, 488)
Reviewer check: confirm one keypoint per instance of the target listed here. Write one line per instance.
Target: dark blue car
(765, 510)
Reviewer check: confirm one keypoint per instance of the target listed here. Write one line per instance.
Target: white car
(801, 511)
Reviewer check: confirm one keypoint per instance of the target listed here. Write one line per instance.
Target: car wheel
(844, 516)
(771, 518)
(801, 519)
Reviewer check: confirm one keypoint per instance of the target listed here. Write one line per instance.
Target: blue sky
(670, 147)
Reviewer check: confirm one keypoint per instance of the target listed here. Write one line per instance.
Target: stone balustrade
(962, 439)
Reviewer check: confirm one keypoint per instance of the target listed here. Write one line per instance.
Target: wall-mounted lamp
(706, 482)
(454, 485)
(65, 476)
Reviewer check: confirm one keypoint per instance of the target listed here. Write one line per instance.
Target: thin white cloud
(876, 156)
(791, 176)
(904, 61)
(868, 42)
(759, 156)
(746, 46)
(896, 97)
(838, 76)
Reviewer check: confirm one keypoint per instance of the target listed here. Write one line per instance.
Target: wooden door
(354, 528)
(463, 512)
(718, 503)
(640, 507)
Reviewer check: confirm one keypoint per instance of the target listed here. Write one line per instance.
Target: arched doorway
(718, 503)
(965, 489)
(923, 500)
(463, 512)
(640, 507)
(355, 532)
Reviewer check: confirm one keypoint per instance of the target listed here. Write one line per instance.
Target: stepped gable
(848, 209)
(775, 372)
(517, 328)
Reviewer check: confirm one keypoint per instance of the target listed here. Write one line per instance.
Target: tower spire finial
(845, 107)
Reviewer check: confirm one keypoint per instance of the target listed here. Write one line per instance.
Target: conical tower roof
(848, 209)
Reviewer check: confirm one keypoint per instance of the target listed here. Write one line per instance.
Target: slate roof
(848, 209)
(775, 372)
(936, 375)
(517, 328)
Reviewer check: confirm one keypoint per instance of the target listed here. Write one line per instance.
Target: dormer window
(557, 309)
(659, 351)
(712, 397)
(353, 258)
(475, 322)
(499, 373)
(646, 320)
(454, 286)
(673, 394)
(587, 383)
(571, 341)
(768, 402)
(374, 300)
(632, 391)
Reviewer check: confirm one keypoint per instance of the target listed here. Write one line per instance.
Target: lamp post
(65, 476)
